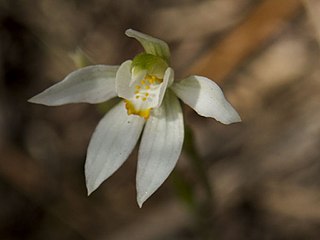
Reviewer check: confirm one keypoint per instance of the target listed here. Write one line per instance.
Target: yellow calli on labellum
(150, 105)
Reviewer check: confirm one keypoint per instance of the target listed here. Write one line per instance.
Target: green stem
(197, 163)
(201, 209)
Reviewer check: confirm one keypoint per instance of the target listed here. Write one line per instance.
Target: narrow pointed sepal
(150, 44)
(160, 147)
(206, 98)
(112, 142)
(92, 84)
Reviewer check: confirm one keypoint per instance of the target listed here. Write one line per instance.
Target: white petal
(93, 84)
(112, 142)
(160, 147)
(206, 98)
(167, 80)
(124, 87)
(150, 44)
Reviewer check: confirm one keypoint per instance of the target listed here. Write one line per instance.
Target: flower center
(144, 96)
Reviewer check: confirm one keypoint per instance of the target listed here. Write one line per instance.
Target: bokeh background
(264, 173)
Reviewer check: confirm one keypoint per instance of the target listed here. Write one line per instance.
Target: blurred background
(263, 174)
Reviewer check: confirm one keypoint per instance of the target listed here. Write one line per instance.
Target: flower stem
(202, 209)
(205, 210)
(197, 163)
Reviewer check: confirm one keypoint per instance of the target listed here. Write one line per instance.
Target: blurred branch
(262, 24)
(313, 10)
(80, 58)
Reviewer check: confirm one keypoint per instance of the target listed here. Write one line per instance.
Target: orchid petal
(150, 44)
(124, 84)
(167, 79)
(160, 147)
(93, 84)
(111, 143)
(206, 98)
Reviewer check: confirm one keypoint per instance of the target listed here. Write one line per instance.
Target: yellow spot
(146, 94)
(143, 82)
(138, 87)
(147, 87)
(136, 92)
(137, 97)
(151, 80)
(145, 113)
(144, 99)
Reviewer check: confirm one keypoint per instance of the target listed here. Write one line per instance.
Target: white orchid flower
(150, 105)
